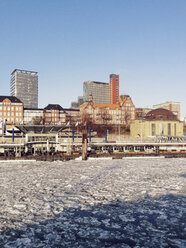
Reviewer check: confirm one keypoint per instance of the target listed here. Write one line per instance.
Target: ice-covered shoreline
(95, 203)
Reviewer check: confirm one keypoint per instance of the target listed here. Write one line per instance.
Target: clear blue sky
(72, 41)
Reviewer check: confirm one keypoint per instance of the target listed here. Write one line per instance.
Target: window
(169, 129)
(161, 129)
(175, 129)
(153, 129)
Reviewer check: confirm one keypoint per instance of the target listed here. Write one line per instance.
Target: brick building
(97, 113)
(54, 114)
(73, 115)
(110, 114)
(128, 107)
(114, 89)
(11, 110)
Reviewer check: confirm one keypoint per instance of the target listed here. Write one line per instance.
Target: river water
(95, 203)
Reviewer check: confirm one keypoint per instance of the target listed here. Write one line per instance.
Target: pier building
(157, 122)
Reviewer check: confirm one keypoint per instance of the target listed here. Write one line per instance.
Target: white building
(33, 115)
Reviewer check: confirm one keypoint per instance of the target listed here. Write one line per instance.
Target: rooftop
(11, 98)
(39, 109)
(95, 82)
(168, 102)
(110, 106)
(160, 114)
(53, 107)
(71, 109)
(42, 129)
(24, 71)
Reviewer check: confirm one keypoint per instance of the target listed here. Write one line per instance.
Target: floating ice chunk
(126, 219)
(104, 235)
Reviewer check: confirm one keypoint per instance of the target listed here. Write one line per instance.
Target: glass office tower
(24, 86)
(98, 91)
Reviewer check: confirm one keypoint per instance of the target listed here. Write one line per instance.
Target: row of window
(54, 119)
(52, 115)
(11, 114)
(11, 108)
(161, 129)
(12, 120)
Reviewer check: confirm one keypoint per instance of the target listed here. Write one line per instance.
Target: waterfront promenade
(95, 203)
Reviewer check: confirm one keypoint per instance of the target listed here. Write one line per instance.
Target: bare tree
(38, 120)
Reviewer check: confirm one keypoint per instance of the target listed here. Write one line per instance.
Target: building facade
(128, 107)
(172, 106)
(114, 89)
(109, 114)
(33, 116)
(140, 113)
(96, 113)
(157, 122)
(24, 86)
(73, 116)
(11, 110)
(54, 114)
(96, 91)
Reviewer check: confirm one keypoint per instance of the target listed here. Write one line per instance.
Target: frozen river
(97, 203)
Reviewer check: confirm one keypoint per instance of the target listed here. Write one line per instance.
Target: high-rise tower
(114, 89)
(97, 91)
(24, 86)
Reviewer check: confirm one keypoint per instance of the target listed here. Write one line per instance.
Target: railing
(170, 139)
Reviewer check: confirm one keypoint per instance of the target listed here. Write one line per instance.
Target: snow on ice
(97, 203)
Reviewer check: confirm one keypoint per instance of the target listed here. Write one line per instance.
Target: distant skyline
(69, 42)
